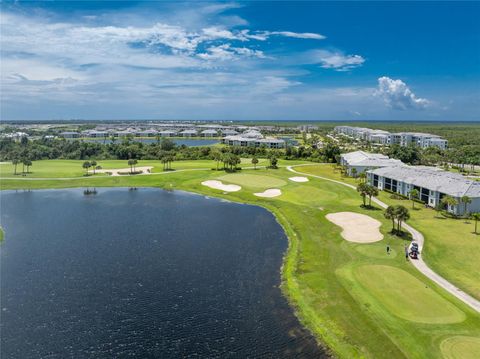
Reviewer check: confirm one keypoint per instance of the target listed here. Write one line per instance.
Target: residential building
(70, 134)
(209, 133)
(362, 161)
(168, 133)
(189, 133)
(422, 140)
(431, 183)
(253, 141)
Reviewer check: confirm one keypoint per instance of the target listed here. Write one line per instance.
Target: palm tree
(372, 191)
(254, 162)
(15, 162)
(402, 215)
(362, 189)
(27, 163)
(413, 196)
(86, 165)
(131, 163)
(164, 162)
(466, 201)
(94, 165)
(449, 201)
(476, 218)
(390, 213)
(363, 176)
(354, 173)
(217, 156)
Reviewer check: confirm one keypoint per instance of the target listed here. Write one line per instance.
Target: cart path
(419, 263)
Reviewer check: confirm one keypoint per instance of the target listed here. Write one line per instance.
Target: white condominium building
(362, 161)
(431, 183)
(422, 140)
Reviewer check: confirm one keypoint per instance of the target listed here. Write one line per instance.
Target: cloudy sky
(240, 60)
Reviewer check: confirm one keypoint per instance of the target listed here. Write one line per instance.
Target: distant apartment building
(209, 133)
(431, 183)
(253, 139)
(70, 134)
(362, 161)
(423, 140)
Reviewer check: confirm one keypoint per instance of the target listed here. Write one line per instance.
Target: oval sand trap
(222, 187)
(269, 193)
(403, 295)
(298, 179)
(357, 227)
(461, 347)
(255, 181)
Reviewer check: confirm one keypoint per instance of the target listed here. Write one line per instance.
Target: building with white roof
(431, 183)
(168, 133)
(422, 140)
(253, 141)
(362, 161)
(188, 133)
(209, 133)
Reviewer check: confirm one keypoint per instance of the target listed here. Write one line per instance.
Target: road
(419, 263)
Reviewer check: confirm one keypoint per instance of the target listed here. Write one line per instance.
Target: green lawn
(358, 300)
(451, 248)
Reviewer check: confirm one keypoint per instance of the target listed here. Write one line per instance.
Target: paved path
(419, 264)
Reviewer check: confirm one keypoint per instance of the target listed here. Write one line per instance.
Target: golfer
(406, 252)
(388, 249)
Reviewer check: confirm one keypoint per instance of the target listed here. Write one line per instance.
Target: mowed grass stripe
(405, 296)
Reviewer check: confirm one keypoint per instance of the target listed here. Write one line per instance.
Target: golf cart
(414, 250)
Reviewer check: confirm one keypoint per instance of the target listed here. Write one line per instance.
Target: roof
(366, 159)
(433, 178)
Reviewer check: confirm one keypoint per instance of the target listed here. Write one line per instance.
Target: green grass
(2, 234)
(319, 266)
(460, 347)
(451, 248)
(419, 303)
(253, 181)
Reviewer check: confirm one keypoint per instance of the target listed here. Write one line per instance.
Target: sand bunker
(298, 179)
(357, 227)
(223, 187)
(269, 193)
(123, 171)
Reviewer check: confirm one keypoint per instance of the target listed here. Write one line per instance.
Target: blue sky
(240, 60)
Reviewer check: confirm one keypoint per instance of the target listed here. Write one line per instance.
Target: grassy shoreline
(319, 268)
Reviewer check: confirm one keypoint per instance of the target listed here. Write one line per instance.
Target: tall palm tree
(413, 196)
(131, 163)
(390, 214)
(466, 201)
(476, 218)
(402, 215)
(354, 173)
(363, 176)
(15, 162)
(86, 165)
(362, 189)
(94, 165)
(27, 163)
(372, 191)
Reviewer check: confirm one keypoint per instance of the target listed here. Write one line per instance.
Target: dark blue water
(179, 141)
(144, 273)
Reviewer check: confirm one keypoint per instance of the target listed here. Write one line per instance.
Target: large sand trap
(357, 227)
(298, 179)
(123, 171)
(223, 187)
(269, 193)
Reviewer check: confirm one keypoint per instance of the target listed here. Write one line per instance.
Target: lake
(190, 142)
(143, 273)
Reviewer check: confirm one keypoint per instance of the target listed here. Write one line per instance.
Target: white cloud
(227, 52)
(297, 35)
(336, 60)
(398, 95)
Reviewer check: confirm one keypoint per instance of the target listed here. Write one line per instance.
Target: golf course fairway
(460, 347)
(405, 296)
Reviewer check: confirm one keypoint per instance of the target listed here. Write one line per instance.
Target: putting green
(375, 251)
(405, 296)
(460, 347)
(255, 181)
